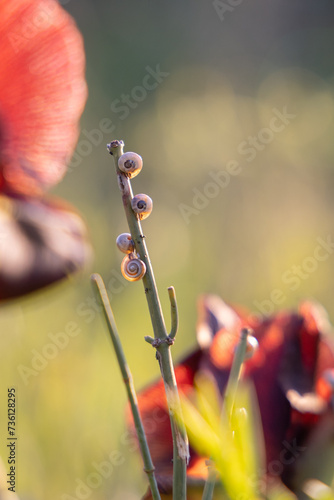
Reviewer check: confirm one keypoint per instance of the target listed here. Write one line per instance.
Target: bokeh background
(225, 70)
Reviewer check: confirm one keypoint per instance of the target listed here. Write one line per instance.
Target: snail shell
(132, 268)
(125, 243)
(130, 164)
(142, 205)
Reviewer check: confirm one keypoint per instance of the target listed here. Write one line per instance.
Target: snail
(132, 268)
(130, 164)
(125, 243)
(142, 205)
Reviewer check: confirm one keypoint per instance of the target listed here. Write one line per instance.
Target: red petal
(42, 93)
(292, 362)
(213, 315)
(41, 242)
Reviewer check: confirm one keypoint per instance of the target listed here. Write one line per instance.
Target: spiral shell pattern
(132, 268)
(142, 205)
(130, 164)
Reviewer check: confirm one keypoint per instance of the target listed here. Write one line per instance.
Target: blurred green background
(225, 73)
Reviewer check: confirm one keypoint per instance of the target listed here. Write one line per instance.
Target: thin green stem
(159, 328)
(229, 400)
(174, 312)
(233, 380)
(210, 483)
(101, 291)
(209, 488)
(180, 440)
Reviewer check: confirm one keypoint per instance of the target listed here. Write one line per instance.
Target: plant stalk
(101, 291)
(180, 439)
(233, 380)
(229, 400)
(210, 483)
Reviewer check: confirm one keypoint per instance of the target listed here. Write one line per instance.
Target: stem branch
(174, 312)
(101, 291)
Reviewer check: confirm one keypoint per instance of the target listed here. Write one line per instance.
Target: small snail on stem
(125, 243)
(130, 164)
(142, 205)
(132, 268)
(127, 166)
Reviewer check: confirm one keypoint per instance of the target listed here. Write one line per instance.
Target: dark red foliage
(292, 372)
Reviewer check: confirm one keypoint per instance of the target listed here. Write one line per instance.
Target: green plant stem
(101, 291)
(229, 399)
(180, 440)
(174, 313)
(233, 380)
(210, 483)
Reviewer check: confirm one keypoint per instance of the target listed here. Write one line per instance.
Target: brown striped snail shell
(125, 243)
(130, 164)
(132, 268)
(142, 205)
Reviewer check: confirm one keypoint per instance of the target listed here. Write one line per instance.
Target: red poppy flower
(292, 372)
(42, 95)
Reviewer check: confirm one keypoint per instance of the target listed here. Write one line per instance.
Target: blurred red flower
(42, 95)
(292, 372)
